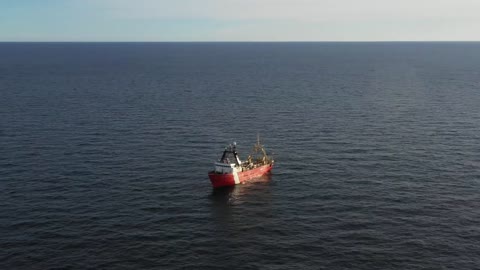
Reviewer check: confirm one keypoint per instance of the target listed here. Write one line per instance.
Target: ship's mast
(231, 150)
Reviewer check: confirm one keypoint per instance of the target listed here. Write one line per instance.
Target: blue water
(105, 149)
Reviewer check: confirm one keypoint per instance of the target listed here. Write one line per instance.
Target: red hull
(228, 179)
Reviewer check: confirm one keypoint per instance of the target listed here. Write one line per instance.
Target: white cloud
(292, 10)
(302, 19)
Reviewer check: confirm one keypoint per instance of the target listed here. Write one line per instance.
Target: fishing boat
(230, 170)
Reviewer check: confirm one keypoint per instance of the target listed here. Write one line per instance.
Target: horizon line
(248, 41)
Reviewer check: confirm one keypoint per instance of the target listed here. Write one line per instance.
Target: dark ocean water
(105, 148)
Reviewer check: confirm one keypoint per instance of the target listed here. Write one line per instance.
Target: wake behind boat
(230, 170)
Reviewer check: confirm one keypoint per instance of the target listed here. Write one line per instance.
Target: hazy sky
(239, 20)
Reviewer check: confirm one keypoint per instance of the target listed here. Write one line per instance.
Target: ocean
(105, 149)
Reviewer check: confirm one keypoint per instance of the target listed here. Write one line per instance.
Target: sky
(240, 20)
